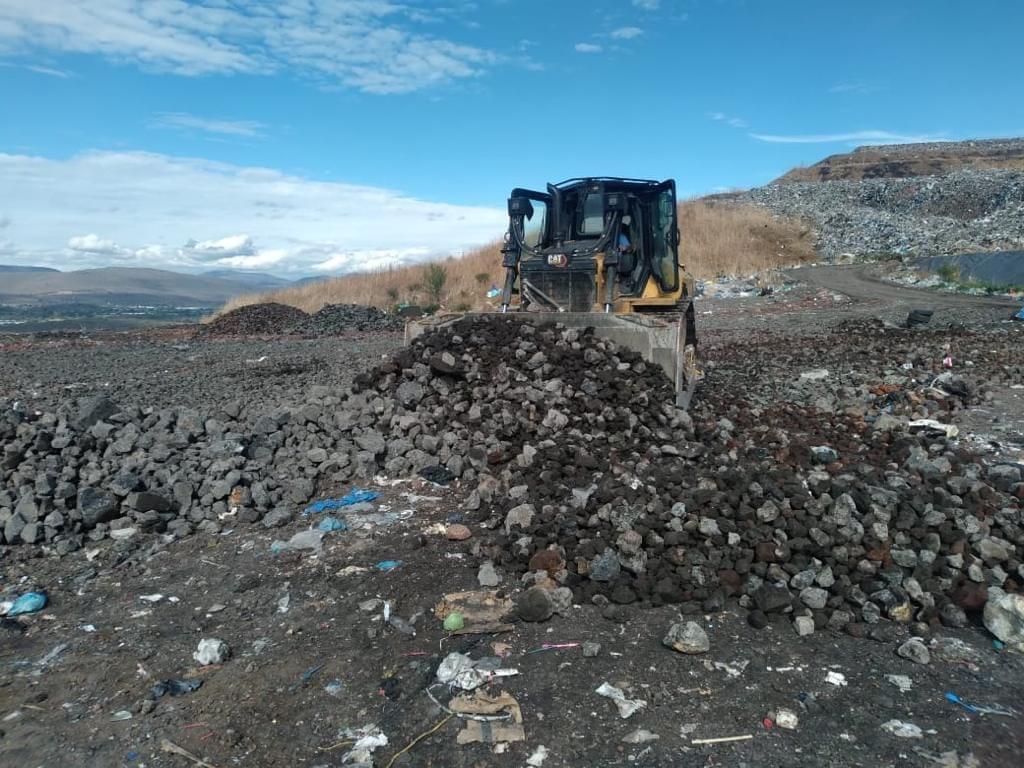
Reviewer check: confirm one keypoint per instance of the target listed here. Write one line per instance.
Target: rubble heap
(332, 319)
(265, 319)
(574, 459)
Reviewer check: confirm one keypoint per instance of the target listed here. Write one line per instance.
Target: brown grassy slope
(717, 238)
(904, 160)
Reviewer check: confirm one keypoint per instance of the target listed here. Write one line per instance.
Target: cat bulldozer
(601, 253)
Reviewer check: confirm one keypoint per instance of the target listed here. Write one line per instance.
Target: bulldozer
(601, 253)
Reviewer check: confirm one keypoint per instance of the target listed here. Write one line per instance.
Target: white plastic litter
(903, 729)
(627, 707)
(540, 754)
(836, 678)
(211, 650)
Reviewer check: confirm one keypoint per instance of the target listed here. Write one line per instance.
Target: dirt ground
(311, 659)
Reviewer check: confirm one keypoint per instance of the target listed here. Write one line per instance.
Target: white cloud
(371, 45)
(5, 221)
(96, 246)
(182, 120)
(626, 33)
(647, 5)
(587, 48)
(184, 213)
(856, 137)
(732, 122)
(37, 68)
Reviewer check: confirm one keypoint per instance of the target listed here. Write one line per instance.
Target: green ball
(454, 622)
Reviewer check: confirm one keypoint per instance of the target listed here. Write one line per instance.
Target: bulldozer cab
(603, 253)
(594, 244)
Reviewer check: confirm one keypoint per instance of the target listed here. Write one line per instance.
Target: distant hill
(897, 161)
(257, 281)
(6, 268)
(117, 286)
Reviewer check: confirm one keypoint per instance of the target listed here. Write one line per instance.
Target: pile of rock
(268, 319)
(967, 210)
(333, 319)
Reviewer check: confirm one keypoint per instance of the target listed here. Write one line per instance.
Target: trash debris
(174, 749)
(975, 709)
(903, 729)
(481, 611)
(334, 688)
(590, 650)
(540, 754)
(787, 718)
(211, 650)
(836, 678)
(331, 524)
(627, 707)
(554, 647)
(487, 576)
(640, 736)
(154, 598)
(174, 688)
(367, 740)
(311, 539)
(949, 759)
(453, 622)
(305, 677)
(30, 602)
(933, 428)
(489, 732)
(492, 293)
(355, 496)
(816, 374)
(388, 565)
(722, 739)
(121, 714)
(900, 681)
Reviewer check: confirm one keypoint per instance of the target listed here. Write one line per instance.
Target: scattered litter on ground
(723, 739)
(174, 749)
(787, 718)
(627, 707)
(836, 678)
(211, 650)
(902, 729)
(355, 496)
(453, 622)
(490, 731)
(481, 611)
(331, 524)
(900, 681)
(121, 714)
(366, 741)
(310, 539)
(334, 688)
(976, 709)
(640, 736)
(388, 565)
(538, 757)
(30, 602)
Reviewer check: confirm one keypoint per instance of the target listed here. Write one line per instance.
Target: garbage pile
(332, 319)
(265, 319)
(963, 211)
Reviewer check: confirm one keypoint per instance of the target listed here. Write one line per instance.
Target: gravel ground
(297, 623)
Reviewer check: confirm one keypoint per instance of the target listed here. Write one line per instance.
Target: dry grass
(717, 239)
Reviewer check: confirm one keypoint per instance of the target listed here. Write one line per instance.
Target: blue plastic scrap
(355, 496)
(331, 524)
(388, 565)
(30, 602)
(1020, 315)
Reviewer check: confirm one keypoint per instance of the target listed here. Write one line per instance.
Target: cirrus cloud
(369, 45)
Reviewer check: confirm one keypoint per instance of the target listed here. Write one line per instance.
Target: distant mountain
(117, 286)
(5, 268)
(257, 281)
(900, 161)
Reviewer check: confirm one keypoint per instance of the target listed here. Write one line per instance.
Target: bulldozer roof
(605, 180)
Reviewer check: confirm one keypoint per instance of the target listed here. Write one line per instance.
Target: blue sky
(322, 136)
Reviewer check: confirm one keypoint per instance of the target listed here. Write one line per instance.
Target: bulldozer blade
(659, 339)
